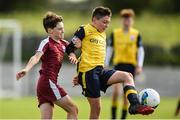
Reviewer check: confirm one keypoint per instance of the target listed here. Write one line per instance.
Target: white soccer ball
(149, 97)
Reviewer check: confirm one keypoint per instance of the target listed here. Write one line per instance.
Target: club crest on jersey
(132, 37)
(64, 48)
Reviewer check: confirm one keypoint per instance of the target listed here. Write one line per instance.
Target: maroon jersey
(52, 57)
(47, 88)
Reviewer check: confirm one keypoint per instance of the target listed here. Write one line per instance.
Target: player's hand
(21, 74)
(138, 70)
(72, 58)
(75, 81)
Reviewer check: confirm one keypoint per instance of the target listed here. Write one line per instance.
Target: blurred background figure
(126, 43)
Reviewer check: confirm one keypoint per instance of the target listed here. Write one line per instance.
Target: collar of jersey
(54, 40)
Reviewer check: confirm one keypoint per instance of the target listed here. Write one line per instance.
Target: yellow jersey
(93, 48)
(125, 46)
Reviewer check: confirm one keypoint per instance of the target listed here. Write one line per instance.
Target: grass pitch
(26, 108)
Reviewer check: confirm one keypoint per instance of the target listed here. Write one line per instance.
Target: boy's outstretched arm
(32, 61)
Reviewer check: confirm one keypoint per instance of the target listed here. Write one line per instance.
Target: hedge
(157, 55)
(154, 54)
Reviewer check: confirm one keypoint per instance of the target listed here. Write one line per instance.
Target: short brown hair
(50, 20)
(127, 13)
(100, 12)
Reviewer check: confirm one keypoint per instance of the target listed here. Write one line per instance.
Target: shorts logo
(64, 48)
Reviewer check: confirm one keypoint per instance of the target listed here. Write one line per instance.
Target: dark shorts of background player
(126, 67)
(94, 81)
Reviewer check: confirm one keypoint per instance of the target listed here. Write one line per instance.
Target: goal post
(14, 29)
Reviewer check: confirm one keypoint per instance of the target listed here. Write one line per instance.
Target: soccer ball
(149, 97)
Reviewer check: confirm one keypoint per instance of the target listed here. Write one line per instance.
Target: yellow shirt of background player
(125, 46)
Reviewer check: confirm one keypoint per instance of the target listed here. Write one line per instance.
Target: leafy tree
(11, 5)
(117, 5)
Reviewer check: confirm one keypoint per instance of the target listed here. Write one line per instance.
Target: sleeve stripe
(140, 57)
(42, 44)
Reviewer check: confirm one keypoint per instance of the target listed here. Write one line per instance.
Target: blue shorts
(94, 81)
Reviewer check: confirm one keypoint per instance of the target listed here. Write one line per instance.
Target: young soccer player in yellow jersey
(93, 78)
(128, 55)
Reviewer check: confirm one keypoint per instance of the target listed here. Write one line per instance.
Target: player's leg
(125, 107)
(58, 96)
(90, 84)
(46, 110)
(67, 104)
(131, 69)
(114, 106)
(95, 107)
(130, 92)
(178, 108)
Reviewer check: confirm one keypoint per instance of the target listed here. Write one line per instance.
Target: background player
(93, 78)
(128, 55)
(51, 51)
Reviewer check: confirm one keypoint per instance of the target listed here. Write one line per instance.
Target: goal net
(10, 58)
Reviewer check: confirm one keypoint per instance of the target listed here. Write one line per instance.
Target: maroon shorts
(48, 91)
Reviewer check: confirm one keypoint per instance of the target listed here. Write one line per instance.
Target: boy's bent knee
(129, 79)
(120, 77)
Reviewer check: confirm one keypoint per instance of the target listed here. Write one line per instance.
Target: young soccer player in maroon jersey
(51, 51)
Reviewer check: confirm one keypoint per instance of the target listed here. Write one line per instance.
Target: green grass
(32, 21)
(25, 108)
(155, 29)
